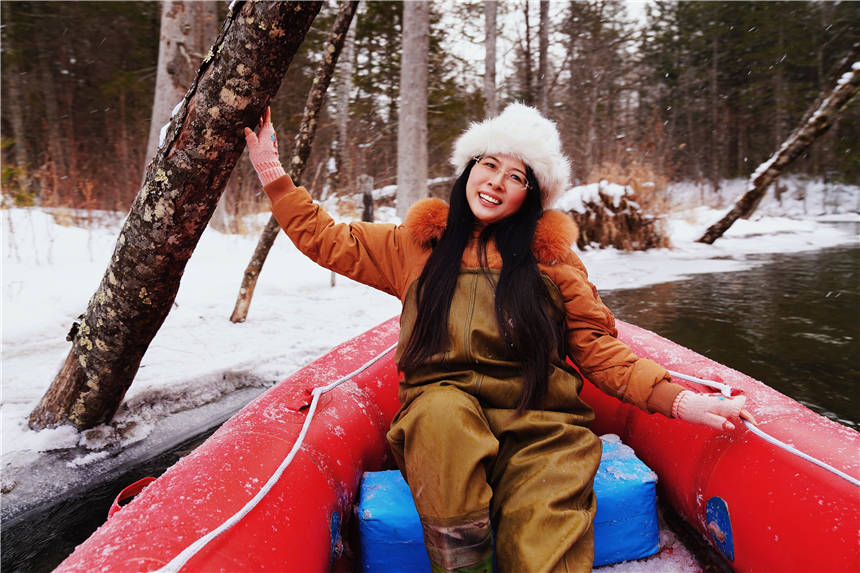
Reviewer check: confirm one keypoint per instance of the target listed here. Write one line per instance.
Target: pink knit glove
(263, 149)
(709, 409)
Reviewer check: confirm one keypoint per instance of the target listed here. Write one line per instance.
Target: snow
(54, 259)
(577, 198)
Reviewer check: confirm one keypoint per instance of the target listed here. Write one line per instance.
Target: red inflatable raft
(274, 488)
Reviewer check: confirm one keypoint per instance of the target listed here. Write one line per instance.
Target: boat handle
(129, 492)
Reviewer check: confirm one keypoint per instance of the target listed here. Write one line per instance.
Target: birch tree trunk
(238, 78)
(186, 32)
(491, 107)
(412, 155)
(343, 154)
(301, 150)
(820, 120)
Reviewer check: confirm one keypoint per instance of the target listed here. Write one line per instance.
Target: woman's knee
(444, 447)
(444, 412)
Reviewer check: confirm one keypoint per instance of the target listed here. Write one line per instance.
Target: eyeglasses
(514, 180)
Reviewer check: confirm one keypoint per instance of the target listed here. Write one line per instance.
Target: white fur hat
(522, 132)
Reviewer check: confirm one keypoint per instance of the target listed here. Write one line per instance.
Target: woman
(492, 436)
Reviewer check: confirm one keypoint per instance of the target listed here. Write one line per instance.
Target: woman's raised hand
(263, 150)
(712, 410)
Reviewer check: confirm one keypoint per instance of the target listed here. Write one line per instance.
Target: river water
(793, 322)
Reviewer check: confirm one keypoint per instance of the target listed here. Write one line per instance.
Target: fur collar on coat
(555, 234)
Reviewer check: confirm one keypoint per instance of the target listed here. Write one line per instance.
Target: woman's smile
(487, 198)
(496, 187)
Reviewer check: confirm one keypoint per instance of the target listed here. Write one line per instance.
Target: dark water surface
(793, 323)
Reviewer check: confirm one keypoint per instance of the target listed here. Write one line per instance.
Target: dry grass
(649, 186)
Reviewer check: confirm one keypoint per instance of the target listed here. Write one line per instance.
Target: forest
(699, 91)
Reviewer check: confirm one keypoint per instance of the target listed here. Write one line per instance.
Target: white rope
(726, 390)
(186, 554)
(182, 558)
(795, 451)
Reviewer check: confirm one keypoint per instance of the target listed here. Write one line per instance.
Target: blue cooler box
(388, 524)
(625, 526)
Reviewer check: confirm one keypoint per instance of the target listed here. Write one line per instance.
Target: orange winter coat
(391, 257)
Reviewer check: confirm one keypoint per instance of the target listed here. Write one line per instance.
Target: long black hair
(521, 297)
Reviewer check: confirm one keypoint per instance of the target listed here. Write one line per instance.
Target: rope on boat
(176, 564)
(186, 554)
(795, 451)
(726, 390)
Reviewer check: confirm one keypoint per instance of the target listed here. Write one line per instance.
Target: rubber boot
(485, 567)
(460, 548)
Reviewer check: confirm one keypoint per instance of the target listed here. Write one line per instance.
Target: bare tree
(543, 64)
(187, 31)
(528, 82)
(236, 81)
(15, 99)
(296, 167)
(49, 91)
(343, 154)
(817, 121)
(491, 107)
(412, 155)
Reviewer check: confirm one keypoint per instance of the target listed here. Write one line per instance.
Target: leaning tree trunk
(819, 122)
(236, 81)
(301, 150)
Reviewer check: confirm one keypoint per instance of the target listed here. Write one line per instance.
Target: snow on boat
(274, 488)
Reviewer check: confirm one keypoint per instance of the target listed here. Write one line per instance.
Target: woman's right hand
(263, 150)
(711, 410)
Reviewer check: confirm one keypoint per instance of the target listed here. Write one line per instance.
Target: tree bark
(343, 154)
(543, 64)
(48, 87)
(529, 84)
(412, 154)
(15, 100)
(365, 187)
(236, 81)
(16, 108)
(491, 108)
(717, 141)
(301, 150)
(186, 32)
(820, 120)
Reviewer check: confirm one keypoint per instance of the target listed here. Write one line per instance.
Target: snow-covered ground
(53, 264)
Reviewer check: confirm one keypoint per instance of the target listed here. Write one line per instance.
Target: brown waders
(479, 474)
(530, 475)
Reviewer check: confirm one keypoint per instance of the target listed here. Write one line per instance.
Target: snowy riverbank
(51, 266)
